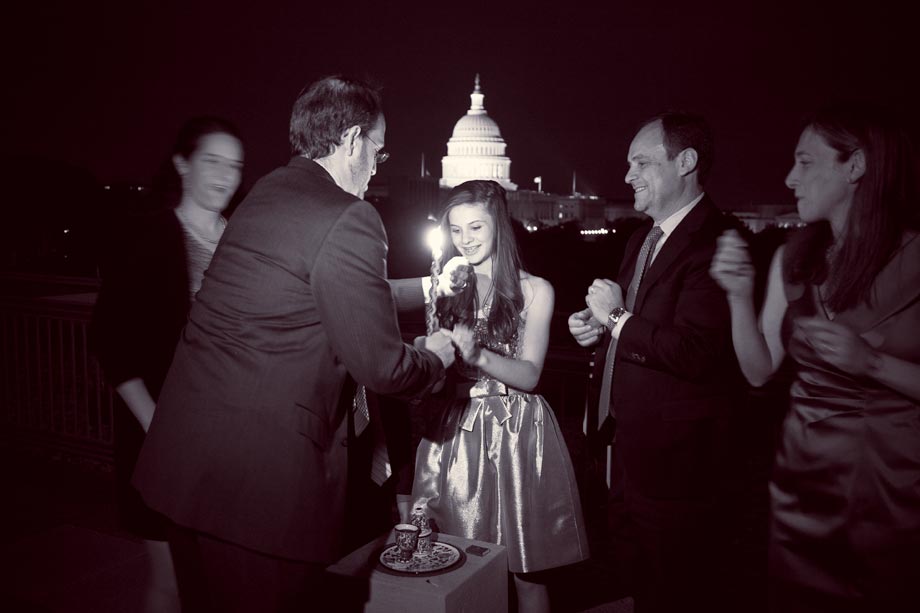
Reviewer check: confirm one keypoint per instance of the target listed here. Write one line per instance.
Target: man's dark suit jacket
(248, 440)
(675, 379)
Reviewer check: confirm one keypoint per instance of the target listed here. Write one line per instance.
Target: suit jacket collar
(677, 241)
(302, 163)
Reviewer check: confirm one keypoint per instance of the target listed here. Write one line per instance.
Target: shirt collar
(668, 225)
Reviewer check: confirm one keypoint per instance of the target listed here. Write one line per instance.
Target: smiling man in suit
(247, 451)
(665, 369)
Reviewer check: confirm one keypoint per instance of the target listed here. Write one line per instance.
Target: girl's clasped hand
(465, 342)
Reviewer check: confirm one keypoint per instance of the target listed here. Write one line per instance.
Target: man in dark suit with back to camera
(247, 452)
(665, 371)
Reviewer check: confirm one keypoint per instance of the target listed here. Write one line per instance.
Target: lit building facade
(476, 150)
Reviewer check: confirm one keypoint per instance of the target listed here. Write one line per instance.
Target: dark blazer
(139, 314)
(144, 300)
(675, 379)
(248, 440)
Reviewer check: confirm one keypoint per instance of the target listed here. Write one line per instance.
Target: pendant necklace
(486, 304)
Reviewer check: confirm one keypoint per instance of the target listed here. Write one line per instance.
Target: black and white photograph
(572, 307)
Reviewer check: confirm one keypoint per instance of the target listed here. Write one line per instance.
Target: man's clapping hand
(584, 328)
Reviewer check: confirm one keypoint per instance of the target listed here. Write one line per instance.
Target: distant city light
(66, 230)
(108, 187)
(596, 232)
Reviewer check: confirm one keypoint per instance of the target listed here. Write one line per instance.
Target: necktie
(362, 414)
(642, 264)
(380, 460)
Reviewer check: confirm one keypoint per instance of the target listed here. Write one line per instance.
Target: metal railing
(52, 394)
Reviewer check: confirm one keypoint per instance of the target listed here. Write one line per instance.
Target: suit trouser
(672, 550)
(215, 575)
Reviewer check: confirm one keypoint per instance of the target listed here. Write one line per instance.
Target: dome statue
(476, 150)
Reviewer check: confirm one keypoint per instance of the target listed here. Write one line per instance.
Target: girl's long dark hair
(507, 299)
(884, 206)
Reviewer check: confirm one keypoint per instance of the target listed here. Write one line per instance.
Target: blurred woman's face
(822, 185)
(212, 173)
(472, 231)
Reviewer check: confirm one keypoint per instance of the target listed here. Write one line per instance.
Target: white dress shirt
(667, 228)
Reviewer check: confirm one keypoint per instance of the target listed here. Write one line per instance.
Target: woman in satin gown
(843, 300)
(493, 465)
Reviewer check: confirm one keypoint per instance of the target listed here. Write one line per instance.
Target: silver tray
(442, 557)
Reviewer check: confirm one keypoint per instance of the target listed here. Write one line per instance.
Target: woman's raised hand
(731, 265)
(837, 344)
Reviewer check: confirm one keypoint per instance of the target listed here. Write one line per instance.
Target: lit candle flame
(435, 241)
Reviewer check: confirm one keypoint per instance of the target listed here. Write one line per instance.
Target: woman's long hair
(507, 299)
(884, 206)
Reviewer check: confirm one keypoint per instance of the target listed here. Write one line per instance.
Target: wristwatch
(614, 318)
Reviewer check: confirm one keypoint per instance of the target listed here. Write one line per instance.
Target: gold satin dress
(493, 466)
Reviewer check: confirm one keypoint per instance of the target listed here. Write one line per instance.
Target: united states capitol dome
(477, 127)
(476, 150)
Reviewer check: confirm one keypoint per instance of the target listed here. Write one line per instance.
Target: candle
(435, 240)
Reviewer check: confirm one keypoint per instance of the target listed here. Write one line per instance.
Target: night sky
(105, 87)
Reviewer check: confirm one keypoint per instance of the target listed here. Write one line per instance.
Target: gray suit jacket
(247, 443)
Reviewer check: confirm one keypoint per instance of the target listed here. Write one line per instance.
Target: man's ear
(350, 139)
(181, 164)
(857, 164)
(687, 161)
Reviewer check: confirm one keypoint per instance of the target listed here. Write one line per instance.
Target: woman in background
(494, 466)
(843, 299)
(156, 267)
